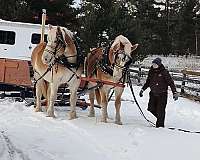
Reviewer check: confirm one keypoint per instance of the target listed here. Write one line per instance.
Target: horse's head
(55, 45)
(121, 51)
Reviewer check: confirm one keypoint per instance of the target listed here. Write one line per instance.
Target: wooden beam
(189, 72)
(43, 25)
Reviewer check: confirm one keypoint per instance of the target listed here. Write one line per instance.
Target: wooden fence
(187, 81)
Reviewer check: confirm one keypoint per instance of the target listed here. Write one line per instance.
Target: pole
(196, 40)
(43, 25)
(167, 10)
(183, 82)
(139, 73)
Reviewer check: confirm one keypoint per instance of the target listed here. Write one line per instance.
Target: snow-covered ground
(26, 135)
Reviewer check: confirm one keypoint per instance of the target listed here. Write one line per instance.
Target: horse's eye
(118, 57)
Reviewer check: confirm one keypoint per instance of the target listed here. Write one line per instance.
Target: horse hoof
(104, 120)
(53, 116)
(72, 115)
(50, 114)
(91, 115)
(38, 109)
(118, 122)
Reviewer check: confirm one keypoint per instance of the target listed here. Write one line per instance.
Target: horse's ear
(116, 47)
(92, 49)
(134, 47)
(67, 38)
(121, 45)
(50, 27)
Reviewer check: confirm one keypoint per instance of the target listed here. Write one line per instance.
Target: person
(158, 80)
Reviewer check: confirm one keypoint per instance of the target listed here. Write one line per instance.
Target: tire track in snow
(3, 148)
(83, 135)
(13, 152)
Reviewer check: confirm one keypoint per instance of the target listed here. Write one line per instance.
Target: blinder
(125, 57)
(59, 42)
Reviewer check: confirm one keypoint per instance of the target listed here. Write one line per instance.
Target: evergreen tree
(184, 26)
(160, 27)
(148, 26)
(59, 12)
(102, 21)
(14, 10)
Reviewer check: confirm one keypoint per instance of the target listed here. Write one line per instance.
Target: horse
(118, 57)
(56, 63)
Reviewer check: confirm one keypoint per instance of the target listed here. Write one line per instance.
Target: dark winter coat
(158, 80)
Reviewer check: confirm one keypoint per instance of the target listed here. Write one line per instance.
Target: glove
(141, 93)
(175, 96)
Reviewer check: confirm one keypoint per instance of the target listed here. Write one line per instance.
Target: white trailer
(17, 40)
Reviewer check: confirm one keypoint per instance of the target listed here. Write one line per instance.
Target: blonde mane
(71, 48)
(119, 43)
(121, 39)
(67, 31)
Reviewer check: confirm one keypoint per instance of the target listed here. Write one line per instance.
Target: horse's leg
(118, 94)
(52, 98)
(45, 92)
(48, 96)
(104, 104)
(73, 99)
(38, 96)
(91, 108)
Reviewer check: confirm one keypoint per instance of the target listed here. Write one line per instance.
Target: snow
(76, 4)
(26, 135)
(175, 63)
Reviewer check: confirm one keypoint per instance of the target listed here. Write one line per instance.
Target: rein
(147, 120)
(58, 60)
(123, 59)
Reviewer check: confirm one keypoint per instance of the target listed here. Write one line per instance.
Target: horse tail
(98, 96)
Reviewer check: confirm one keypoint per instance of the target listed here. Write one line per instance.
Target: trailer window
(7, 37)
(35, 38)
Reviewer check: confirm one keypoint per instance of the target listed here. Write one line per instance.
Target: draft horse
(110, 66)
(61, 58)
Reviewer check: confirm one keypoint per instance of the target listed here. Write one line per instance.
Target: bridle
(60, 43)
(60, 59)
(125, 56)
(123, 68)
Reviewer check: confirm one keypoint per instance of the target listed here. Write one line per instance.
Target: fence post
(139, 73)
(183, 82)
